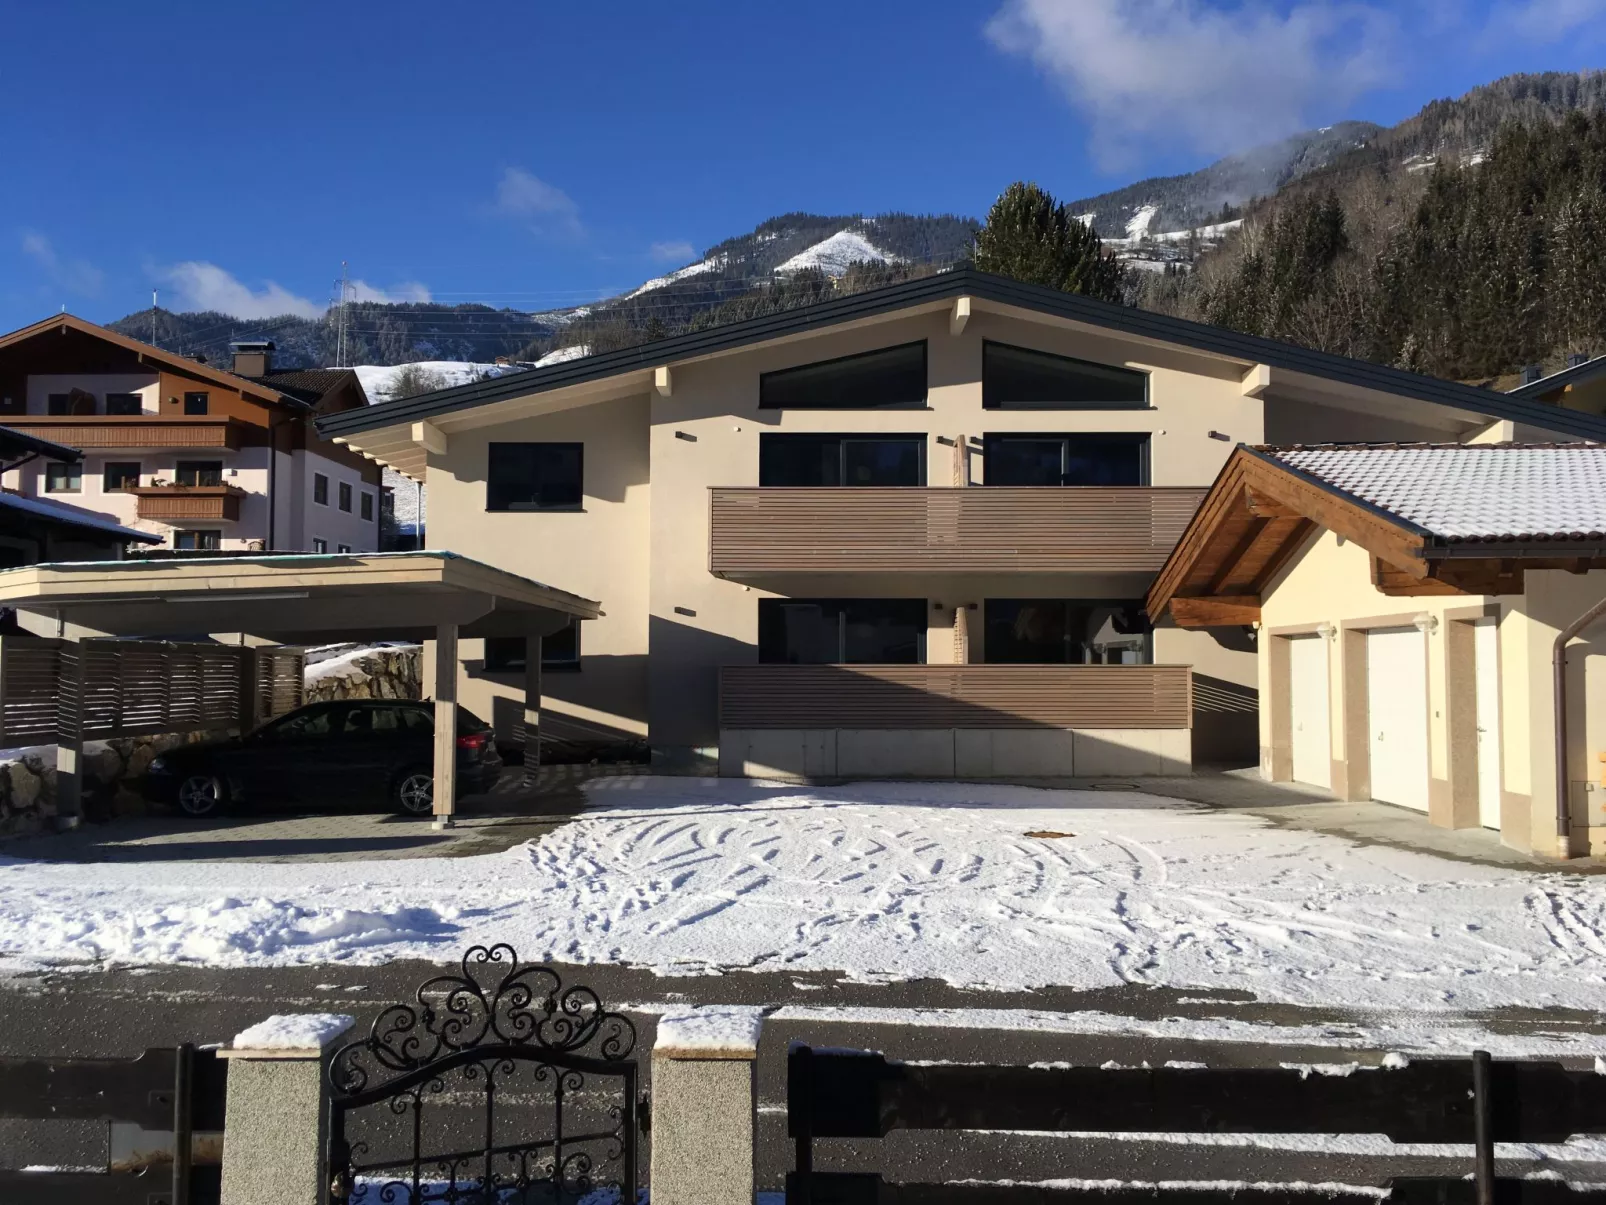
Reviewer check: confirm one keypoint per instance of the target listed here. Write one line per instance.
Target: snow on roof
(57, 513)
(1471, 492)
(833, 255)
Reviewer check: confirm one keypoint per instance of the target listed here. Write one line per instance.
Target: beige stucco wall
(1330, 583)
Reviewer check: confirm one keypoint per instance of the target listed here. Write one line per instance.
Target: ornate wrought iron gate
(497, 1086)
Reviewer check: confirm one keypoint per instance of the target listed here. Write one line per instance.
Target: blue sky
(535, 154)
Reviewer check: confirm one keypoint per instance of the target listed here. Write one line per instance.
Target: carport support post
(445, 724)
(70, 740)
(532, 708)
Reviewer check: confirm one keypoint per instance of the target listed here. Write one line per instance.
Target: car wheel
(202, 795)
(414, 792)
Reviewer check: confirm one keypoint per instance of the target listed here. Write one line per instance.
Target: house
(39, 529)
(1415, 608)
(1579, 386)
(904, 532)
(203, 458)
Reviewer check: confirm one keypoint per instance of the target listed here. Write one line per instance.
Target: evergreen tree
(1031, 237)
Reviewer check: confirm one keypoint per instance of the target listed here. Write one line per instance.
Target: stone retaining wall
(28, 779)
(356, 671)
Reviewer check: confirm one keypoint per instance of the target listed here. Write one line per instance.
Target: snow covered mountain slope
(833, 255)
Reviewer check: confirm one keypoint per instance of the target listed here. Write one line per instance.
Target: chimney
(252, 357)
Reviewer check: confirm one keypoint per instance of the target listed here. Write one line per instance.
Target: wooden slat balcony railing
(189, 501)
(94, 431)
(976, 529)
(955, 696)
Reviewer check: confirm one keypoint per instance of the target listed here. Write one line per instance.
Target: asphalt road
(123, 1012)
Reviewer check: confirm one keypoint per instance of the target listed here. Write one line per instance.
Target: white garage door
(1397, 709)
(1307, 694)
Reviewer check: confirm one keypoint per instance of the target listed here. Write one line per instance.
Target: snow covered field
(978, 885)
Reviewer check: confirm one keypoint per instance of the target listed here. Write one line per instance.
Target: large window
(119, 476)
(894, 376)
(204, 541)
(841, 460)
(199, 472)
(63, 478)
(842, 631)
(1073, 631)
(560, 652)
(122, 403)
(1017, 378)
(1066, 459)
(534, 476)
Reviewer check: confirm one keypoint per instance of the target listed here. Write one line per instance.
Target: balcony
(977, 529)
(955, 696)
(186, 502)
(94, 432)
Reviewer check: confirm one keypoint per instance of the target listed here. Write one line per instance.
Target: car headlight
(158, 765)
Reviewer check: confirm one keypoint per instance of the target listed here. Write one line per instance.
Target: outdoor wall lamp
(1426, 624)
(1326, 630)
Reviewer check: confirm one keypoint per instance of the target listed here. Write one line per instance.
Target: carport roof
(287, 599)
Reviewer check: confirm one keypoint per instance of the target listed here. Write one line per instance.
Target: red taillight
(473, 740)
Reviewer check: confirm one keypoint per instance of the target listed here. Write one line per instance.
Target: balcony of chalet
(106, 432)
(186, 502)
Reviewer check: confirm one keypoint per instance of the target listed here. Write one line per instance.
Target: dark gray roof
(1578, 373)
(14, 443)
(71, 518)
(965, 282)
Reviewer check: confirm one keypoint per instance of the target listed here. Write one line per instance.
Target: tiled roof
(1462, 492)
(310, 384)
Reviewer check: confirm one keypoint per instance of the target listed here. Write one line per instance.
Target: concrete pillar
(704, 1101)
(532, 707)
(445, 724)
(275, 1129)
(70, 738)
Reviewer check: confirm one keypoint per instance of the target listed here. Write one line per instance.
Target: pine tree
(1031, 237)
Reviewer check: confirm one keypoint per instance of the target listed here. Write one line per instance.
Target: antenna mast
(153, 318)
(340, 338)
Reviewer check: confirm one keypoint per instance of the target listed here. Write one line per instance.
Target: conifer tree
(1031, 237)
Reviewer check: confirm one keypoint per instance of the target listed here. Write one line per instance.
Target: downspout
(1558, 662)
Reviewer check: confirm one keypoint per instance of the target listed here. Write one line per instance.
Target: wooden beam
(1226, 610)
(1235, 557)
(662, 381)
(959, 316)
(1397, 584)
(1297, 536)
(430, 437)
(1269, 508)
(1256, 381)
(1373, 531)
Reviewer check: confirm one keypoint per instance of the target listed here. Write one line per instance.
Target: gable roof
(1576, 375)
(312, 385)
(14, 443)
(58, 515)
(172, 360)
(967, 282)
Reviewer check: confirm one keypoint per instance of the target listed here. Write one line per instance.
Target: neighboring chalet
(1428, 625)
(1580, 386)
(907, 532)
(40, 529)
(201, 458)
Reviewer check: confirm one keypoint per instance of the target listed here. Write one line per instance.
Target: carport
(291, 600)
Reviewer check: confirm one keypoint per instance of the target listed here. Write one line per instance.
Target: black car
(357, 750)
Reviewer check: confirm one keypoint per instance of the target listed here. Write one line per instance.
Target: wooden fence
(138, 688)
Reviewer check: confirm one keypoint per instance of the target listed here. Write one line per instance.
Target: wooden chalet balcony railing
(188, 501)
(95, 431)
(955, 696)
(974, 529)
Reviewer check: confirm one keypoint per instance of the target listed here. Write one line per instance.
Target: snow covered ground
(878, 882)
(379, 380)
(833, 255)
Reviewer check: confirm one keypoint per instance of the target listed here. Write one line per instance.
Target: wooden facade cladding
(189, 502)
(981, 529)
(955, 696)
(133, 431)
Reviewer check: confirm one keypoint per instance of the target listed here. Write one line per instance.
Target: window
(59, 403)
(342, 547)
(559, 651)
(198, 541)
(344, 496)
(303, 725)
(367, 506)
(1017, 378)
(842, 631)
(1067, 631)
(524, 477)
(123, 403)
(386, 721)
(62, 478)
(1066, 459)
(119, 476)
(198, 472)
(894, 376)
(841, 460)
(319, 545)
(195, 403)
(320, 489)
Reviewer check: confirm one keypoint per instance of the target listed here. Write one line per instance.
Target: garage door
(1397, 709)
(1307, 672)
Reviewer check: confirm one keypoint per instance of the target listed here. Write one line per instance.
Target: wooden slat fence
(139, 687)
(955, 696)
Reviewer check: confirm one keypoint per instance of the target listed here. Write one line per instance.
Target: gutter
(1558, 663)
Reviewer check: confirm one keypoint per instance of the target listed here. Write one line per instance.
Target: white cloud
(1184, 74)
(407, 291)
(1544, 21)
(546, 207)
(203, 286)
(675, 251)
(73, 275)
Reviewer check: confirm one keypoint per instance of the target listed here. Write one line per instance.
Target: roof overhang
(1261, 512)
(287, 599)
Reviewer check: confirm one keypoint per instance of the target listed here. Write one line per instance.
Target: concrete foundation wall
(952, 753)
